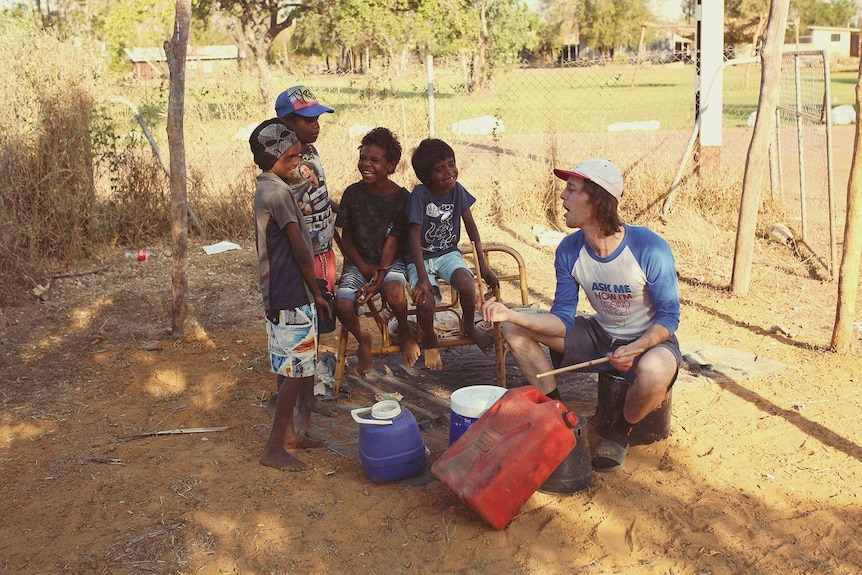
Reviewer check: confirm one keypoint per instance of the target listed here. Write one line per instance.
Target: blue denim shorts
(440, 267)
(352, 279)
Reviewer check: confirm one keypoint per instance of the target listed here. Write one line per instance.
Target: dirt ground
(761, 472)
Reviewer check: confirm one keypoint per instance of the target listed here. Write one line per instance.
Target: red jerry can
(503, 458)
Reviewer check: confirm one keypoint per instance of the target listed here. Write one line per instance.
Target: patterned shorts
(352, 279)
(293, 342)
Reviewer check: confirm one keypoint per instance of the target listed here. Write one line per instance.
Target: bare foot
(483, 339)
(364, 354)
(409, 347)
(433, 361)
(318, 406)
(304, 441)
(280, 459)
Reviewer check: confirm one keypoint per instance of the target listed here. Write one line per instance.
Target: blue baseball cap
(299, 100)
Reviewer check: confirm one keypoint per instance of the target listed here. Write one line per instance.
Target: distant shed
(837, 42)
(204, 60)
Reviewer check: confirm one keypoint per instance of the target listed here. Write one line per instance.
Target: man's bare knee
(512, 332)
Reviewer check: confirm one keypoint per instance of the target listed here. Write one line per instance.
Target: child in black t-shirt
(373, 219)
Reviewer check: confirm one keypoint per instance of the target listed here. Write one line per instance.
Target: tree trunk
(175, 50)
(848, 276)
(259, 50)
(466, 69)
(264, 80)
(758, 151)
(482, 60)
(761, 24)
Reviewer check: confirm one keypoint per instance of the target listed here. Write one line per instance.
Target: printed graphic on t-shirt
(616, 290)
(615, 300)
(313, 200)
(440, 234)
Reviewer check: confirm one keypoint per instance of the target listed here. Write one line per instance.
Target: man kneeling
(629, 276)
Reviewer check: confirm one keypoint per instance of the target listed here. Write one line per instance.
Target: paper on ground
(221, 247)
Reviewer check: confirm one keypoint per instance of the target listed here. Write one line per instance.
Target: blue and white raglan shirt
(630, 290)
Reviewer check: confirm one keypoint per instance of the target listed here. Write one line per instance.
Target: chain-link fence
(639, 112)
(802, 182)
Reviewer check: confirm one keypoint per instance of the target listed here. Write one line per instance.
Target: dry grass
(47, 179)
(80, 178)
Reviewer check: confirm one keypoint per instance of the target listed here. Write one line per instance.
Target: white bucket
(469, 404)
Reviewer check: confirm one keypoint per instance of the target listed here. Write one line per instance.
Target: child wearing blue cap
(299, 109)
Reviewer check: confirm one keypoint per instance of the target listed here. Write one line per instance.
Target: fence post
(430, 70)
(709, 101)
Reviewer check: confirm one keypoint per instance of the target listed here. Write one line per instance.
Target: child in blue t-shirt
(434, 215)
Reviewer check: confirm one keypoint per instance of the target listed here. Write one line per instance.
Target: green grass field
(529, 101)
(550, 115)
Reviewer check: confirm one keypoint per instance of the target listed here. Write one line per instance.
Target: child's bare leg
(307, 403)
(301, 415)
(312, 404)
(394, 294)
(320, 408)
(425, 318)
(302, 418)
(274, 454)
(273, 399)
(345, 309)
(465, 283)
(317, 406)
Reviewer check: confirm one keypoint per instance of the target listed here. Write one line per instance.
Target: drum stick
(586, 364)
(478, 274)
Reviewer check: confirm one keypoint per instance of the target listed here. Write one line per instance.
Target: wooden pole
(758, 151)
(848, 276)
(176, 49)
(478, 274)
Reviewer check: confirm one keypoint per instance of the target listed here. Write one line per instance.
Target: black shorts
(586, 340)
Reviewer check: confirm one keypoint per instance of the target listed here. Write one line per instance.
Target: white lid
(474, 400)
(386, 409)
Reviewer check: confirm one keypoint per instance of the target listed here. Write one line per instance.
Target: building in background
(203, 60)
(837, 42)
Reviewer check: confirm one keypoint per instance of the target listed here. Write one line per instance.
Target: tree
(327, 28)
(258, 22)
(124, 24)
(848, 276)
(825, 13)
(609, 24)
(176, 49)
(482, 33)
(756, 160)
(494, 31)
(746, 20)
(121, 24)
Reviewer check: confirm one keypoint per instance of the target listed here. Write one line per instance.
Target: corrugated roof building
(152, 62)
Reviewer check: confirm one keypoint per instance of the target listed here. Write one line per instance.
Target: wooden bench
(511, 271)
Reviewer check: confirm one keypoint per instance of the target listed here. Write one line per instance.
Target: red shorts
(324, 268)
